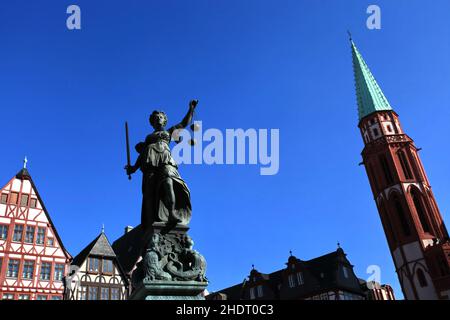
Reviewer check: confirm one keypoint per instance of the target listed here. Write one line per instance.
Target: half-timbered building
(96, 273)
(33, 260)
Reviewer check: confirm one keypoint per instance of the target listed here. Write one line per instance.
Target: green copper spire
(368, 94)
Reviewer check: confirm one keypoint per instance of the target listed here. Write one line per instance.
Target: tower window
(4, 198)
(420, 211)
(405, 165)
(386, 169)
(375, 132)
(374, 178)
(402, 217)
(421, 277)
(389, 128)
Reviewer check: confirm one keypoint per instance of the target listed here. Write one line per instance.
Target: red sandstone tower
(414, 228)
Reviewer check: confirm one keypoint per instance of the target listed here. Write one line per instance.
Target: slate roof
(128, 248)
(320, 274)
(99, 247)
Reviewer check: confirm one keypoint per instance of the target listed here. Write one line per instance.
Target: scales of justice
(170, 268)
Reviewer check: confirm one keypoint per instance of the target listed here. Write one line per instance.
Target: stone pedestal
(170, 269)
(169, 290)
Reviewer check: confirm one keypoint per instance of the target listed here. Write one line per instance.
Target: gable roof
(100, 246)
(23, 174)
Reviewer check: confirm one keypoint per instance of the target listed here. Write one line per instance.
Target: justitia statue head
(158, 119)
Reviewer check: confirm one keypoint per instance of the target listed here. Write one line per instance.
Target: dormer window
(260, 291)
(291, 281)
(252, 293)
(300, 279)
(345, 271)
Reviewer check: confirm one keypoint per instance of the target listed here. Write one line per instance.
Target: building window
(386, 169)
(28, 269)
(24, 297)
(57, 298)
(405, 165)
(421, 277)
(82, 293)
(40, 235)
(107, 266)
(13, 268)
(8, 296)
(104, 293)
(115, 294)
(33, 203)
(50, 242)
(260, 291)
(13, 198)
(291, 281)
(324, 296)
(4, 198)
(252, 293)
(18, 232)
(59, 272)
(402, 217)
(3, 231)
(375, 132)
(420, 211)
(344, 268)
(24, 200)
(46, 269)
(29, 234)
(389, 128)
(92, 293)
(93, 265)
(300, 279)
(41, 297)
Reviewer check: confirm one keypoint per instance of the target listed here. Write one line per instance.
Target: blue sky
(64, 97)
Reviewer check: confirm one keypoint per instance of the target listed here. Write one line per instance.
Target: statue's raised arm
(187, 118)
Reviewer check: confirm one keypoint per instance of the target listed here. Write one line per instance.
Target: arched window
(405, 165)
(401, 216)
(420, 210)
(387, 219)
(374, 177)
(421, 277)
(386, 169)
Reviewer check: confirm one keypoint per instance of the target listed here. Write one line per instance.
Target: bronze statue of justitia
(165, 196)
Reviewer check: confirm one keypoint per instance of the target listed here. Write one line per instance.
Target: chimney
(128, 229)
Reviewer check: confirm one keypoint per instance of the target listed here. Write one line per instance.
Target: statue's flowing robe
(157, 164)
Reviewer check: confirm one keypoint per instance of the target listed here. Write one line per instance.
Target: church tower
(414, 228)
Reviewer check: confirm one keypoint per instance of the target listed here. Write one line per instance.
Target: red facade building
(414, 228)
(33, 260)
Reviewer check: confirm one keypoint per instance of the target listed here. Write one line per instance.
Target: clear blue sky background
(64, 97)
